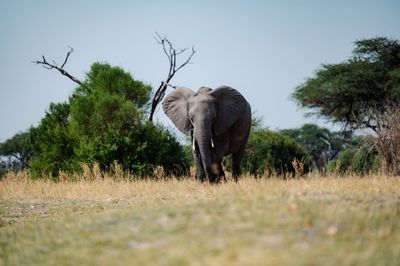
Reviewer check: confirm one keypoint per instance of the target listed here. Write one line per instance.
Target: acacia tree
(362, 92)
(18, 149)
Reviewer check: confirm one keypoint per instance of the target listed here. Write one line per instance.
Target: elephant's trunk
(203, 138)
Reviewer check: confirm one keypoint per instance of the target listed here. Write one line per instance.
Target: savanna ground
(270, 221)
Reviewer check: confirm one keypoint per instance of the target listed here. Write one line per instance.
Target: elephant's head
(204, 115)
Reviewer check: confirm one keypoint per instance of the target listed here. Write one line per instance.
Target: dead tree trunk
(171, 53)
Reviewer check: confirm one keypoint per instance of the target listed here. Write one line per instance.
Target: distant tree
(322, 144)
(3, 168)
(363, 92)
(17, 148)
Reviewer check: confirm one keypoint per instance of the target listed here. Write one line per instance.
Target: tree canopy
(358, 91)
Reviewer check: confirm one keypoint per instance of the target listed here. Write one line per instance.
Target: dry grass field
(270, 221)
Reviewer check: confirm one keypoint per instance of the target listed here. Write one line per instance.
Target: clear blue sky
(262, 48)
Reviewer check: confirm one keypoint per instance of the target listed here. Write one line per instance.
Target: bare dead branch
(188, 60)
(181, 51)
(66, 58)
(45, 64)
(172, 55)
(169, 85)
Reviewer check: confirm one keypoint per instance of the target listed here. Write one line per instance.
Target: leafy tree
(104, 122)
(18, 148)
(362, 92)
(322, 144)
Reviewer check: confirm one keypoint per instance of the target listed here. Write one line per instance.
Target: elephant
(218, 122)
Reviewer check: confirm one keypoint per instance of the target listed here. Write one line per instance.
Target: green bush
(268, 152)
(322, 144)
(358, 160)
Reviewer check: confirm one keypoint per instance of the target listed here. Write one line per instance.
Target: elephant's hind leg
(236, 160)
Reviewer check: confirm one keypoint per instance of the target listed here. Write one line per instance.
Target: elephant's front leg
(217, 171)
(200, 173)
(216, 167)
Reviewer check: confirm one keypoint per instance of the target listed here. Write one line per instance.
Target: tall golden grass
(93, 183)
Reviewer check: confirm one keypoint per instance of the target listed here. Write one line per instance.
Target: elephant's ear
(230, 106)
(175, 107)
